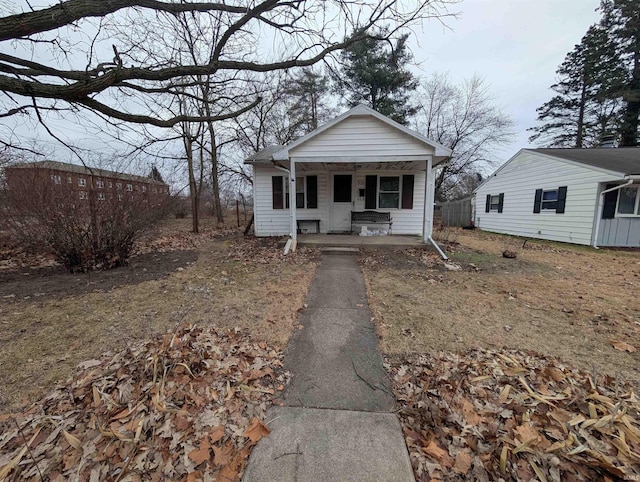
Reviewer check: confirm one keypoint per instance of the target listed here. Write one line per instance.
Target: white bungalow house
(581, 196)
(359, 161)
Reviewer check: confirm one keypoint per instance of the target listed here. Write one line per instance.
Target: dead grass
(555, 299)
(42, 341)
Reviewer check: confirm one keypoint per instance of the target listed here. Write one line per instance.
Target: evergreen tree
(307, 93)
(622, 19)
(585, 106)
(376, 74)
(155, 174)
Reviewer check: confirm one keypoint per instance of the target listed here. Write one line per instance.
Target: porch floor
(338, 240)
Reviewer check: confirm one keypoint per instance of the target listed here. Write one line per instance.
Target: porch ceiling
(360, 166)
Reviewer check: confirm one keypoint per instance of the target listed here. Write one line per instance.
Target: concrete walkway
(336, 423)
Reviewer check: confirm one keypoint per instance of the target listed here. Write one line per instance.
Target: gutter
(630, 180)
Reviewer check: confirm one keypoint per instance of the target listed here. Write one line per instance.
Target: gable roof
(281, 153)
(625, 160)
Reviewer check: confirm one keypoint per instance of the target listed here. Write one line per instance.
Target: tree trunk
(193, 188)
(629, 128)
(583, 99)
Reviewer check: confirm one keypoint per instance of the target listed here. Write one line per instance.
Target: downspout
(630, 180)
(438, 249)
(292, 241)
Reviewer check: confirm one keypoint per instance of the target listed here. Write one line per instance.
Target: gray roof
(265, 154)
(625, 160)
(78, 169)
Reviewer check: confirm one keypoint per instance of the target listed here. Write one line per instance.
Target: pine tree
(155, 174)
(376, 74)
(308, 94)
(585, 106)
(622, 19)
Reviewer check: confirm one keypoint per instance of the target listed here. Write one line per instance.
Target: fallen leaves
(510, 415)
(623, 346)
(187, 405)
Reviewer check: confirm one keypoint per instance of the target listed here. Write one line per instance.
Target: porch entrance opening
(342, 203)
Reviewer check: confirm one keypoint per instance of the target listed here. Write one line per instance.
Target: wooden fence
(456, 213)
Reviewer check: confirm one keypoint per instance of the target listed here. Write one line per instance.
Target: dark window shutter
(370, 192)
(277, 192)
(610, 201)
(562, 199)
(538, 201)
(487, 205)
(312, 192)
(501, 202)
(407, 191)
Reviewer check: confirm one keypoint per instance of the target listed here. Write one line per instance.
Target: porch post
(292, 201)
(427, 229)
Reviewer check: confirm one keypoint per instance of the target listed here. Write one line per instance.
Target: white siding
(621, 232)
(405, 221)
(277, 222)
(268, 221)
(361, 136)
(519, 180)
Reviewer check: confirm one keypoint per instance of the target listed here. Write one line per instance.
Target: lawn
(52, 320)
(559, 300)
(515, 369)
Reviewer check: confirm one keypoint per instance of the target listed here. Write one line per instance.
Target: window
(119, 197)
(118, 185)
(99, 184)
(629, 201)
(277, 192)
(494, 202)
(82, 182)
(389, 192)
(101, 196)
(56, 179)
(306, 192)
(129, 187)
(550, 200)
(110, 185)
(83, 194)
(69, 180)
(144, 188)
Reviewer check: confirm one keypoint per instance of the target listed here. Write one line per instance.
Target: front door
(341, 205)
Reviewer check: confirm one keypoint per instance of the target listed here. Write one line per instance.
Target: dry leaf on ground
(623, 346)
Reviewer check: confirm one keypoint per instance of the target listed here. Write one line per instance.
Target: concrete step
(339, 250)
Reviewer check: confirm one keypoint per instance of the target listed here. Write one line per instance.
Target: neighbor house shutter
(277, 192)
(370, 193)
(487, 204)
(562, 199)
(312, 192)
(538, 201)
(501, 202)
(610, 201)
(407, 191)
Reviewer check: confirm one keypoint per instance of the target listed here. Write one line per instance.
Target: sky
(515, 45)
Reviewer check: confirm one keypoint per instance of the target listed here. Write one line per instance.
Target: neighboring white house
(359, 161)
(581, 196)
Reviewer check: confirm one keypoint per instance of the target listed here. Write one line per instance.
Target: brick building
(75, 184)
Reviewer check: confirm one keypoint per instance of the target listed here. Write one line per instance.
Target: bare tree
(465, 119)
(113, 69)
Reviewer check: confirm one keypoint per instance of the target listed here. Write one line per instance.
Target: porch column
(292, 201)
(429, 195)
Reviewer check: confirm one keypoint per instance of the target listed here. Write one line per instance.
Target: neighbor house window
(629, 201)
(82, 182)
(101, 196)
(110, 185)
(119, 197)
(118, 185)
(494, 202)
(550, 200)
(129, 187)
(99, 184)
(56, 179)
(389, 192)
(69, 180)
(83, 194)
(144, 188)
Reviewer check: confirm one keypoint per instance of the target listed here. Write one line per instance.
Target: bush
(96, 232)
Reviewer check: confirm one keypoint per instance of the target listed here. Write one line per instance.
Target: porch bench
(370, 217)
(314, 221)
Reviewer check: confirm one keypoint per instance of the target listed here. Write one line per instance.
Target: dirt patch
(558, 300)
(230, 284)
(55, 282)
